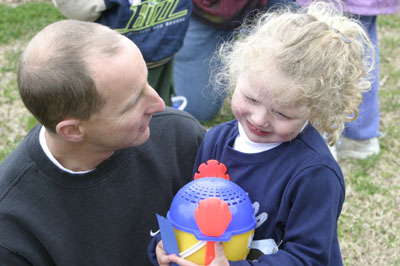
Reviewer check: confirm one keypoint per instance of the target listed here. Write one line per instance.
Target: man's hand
(219, 260)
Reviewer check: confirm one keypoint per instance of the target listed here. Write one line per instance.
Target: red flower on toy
(212, 216)
(212, 168)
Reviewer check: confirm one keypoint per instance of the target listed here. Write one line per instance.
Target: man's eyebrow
(132, 102)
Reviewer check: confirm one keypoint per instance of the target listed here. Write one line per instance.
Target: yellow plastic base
(236, 248)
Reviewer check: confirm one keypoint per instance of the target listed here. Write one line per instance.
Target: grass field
(369, 227)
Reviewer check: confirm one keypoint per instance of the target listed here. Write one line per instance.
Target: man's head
(54, 77)
(75, 77)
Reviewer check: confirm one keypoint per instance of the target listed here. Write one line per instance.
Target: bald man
(84, 185)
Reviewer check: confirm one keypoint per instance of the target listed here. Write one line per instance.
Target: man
(84, 186)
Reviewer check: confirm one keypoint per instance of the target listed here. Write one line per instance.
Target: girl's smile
(256, 131)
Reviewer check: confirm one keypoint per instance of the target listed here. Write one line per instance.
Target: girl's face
(263, 119)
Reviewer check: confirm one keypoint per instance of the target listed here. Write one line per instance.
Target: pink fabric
(365, 7)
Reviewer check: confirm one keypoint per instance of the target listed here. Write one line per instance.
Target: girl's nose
(261, 119)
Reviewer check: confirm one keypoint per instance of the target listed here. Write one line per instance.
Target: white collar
(244, 144)
(43, 144)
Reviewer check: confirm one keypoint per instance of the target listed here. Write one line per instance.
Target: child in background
(360, 137)
(297, 77)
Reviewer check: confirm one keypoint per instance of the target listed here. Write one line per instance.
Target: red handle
(210, 252)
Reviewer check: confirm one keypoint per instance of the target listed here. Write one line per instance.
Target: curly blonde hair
(321, 50)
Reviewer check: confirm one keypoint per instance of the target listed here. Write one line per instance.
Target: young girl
(297, 77)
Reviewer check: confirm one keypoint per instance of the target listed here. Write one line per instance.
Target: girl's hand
(162, 257)
(219, 260)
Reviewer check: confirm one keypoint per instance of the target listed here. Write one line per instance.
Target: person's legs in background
(192, 70)
(276, 4)
(360, 137)
(192, 67)
(161, 79)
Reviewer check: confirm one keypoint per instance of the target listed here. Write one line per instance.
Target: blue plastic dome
(185, 202)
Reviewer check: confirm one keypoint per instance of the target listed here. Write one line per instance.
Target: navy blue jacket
(156, 27)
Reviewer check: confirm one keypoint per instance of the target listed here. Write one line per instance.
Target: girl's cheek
(288, 131)
(237, 108)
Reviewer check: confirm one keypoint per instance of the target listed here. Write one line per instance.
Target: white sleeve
(87, 10)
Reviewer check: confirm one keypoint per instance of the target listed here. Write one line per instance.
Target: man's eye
(251, 100)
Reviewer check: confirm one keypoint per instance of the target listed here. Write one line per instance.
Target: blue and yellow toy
(207, 210)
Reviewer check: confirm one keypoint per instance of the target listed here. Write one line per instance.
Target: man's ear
(70, 130)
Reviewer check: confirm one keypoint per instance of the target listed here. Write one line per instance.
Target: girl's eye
(281, 115)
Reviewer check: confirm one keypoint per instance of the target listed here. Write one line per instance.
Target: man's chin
(144, 137)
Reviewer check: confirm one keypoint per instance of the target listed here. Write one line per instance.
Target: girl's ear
(70, 130)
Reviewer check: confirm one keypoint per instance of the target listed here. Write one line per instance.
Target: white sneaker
(179, 102)
(358, 149)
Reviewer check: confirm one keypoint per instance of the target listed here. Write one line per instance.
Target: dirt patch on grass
(13, 114)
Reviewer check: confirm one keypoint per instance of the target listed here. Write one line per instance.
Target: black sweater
(104, 217)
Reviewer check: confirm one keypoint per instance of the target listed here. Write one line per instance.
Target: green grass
(12, 57)
(384, 22)
(26, 20)
(369, 227)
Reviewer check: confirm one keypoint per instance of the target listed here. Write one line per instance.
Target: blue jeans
(367, 124)
(192, 69)
(191, 72)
